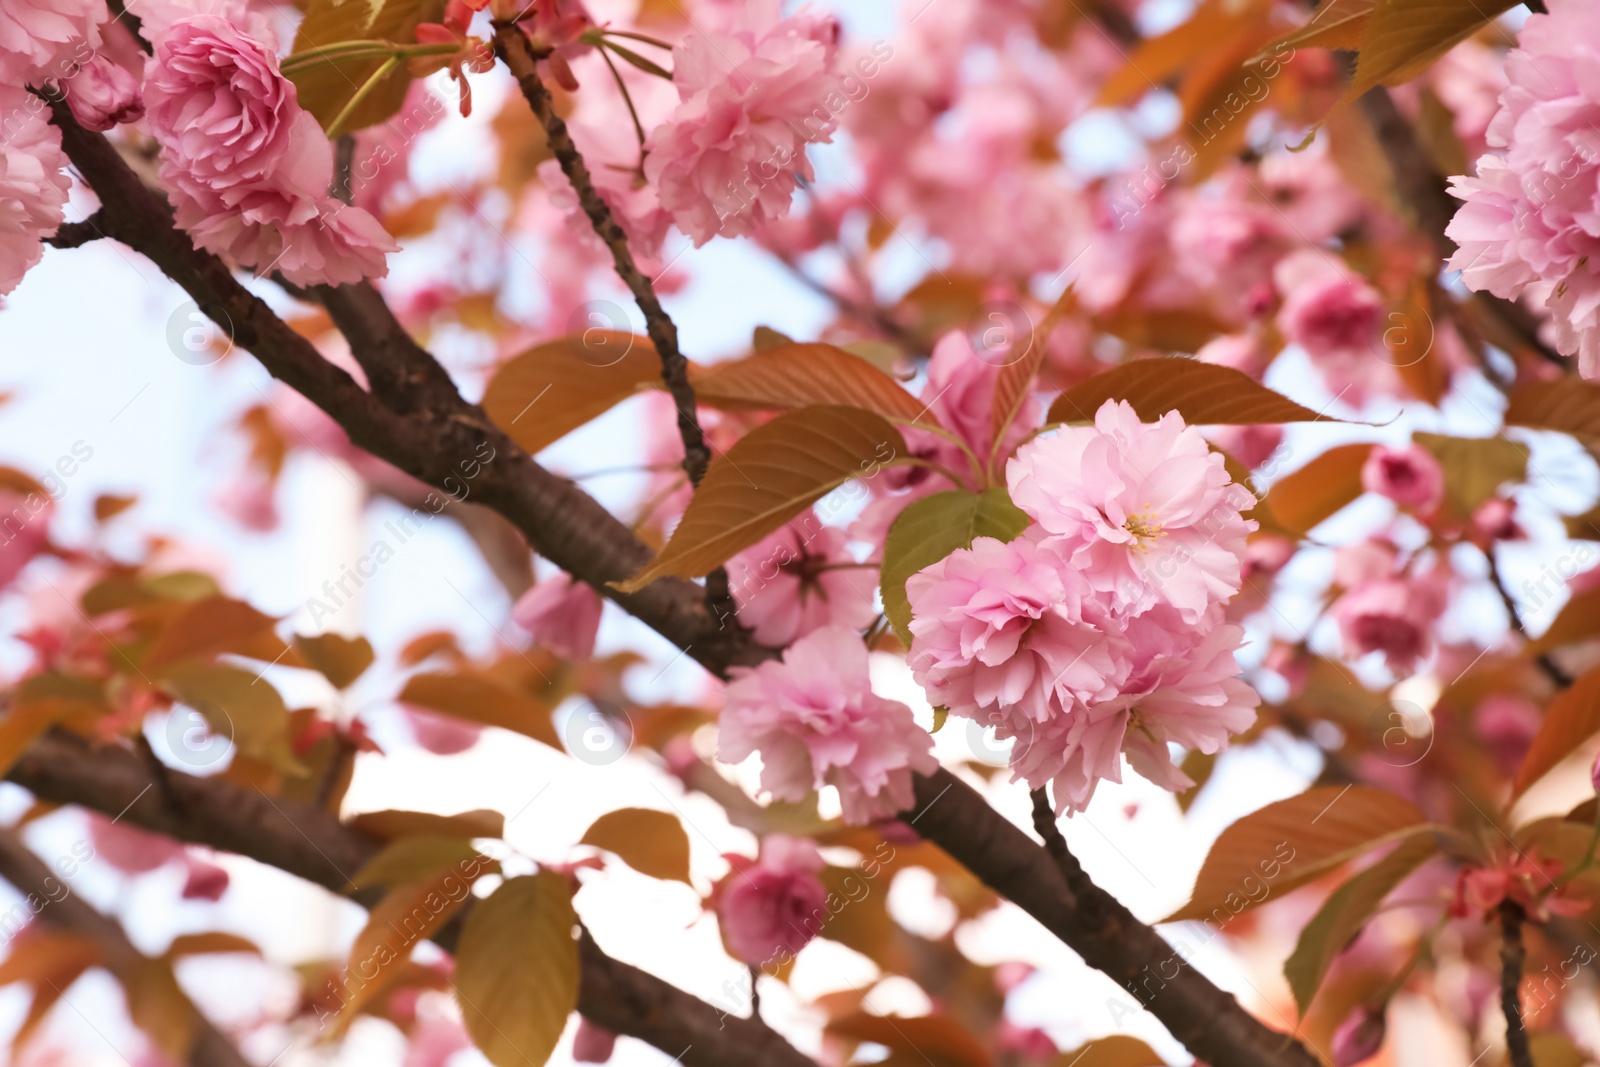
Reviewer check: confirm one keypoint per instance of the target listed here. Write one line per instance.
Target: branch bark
(29, 874)
(517, 52)
(568, 527)
(561, 522)
(1209, 1022)
(1513, 954)
(312, 844)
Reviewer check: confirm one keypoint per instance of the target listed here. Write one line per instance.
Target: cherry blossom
(1000, 633)
(752, 99)
(33, 184)
(104, 95)
(798, 579)
(1409, 476)
(770, 907)
(1148, 512)
(249, 169)
(1394, 616)
(815, 721)
(42, 40)
(1526, 224)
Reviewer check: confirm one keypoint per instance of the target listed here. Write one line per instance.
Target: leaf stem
(336, 127)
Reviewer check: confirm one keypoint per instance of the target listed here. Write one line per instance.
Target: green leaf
(1203, 393)
(771, 475)
(552, 389)
(325, 89)
(517, 970)
(1475, 467)
(1288, 843)
(241, 706)
(930, 529)
(339, 659)
(413, 858)
(651, 842)
(1344, 913)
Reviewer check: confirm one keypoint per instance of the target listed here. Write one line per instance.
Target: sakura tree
(1102, 578)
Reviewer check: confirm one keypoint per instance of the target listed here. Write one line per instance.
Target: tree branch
(1512, 956)
(312, 844)
(561, 522)
(77, 234)
(568, 527)
(25, 871)
(1209, 1022)
(517, 52)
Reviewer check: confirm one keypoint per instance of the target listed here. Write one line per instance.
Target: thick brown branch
(440, 445)
(568, 527)
(310, 843)
(69, 911)
(1210, 1023)
(1425, 192)
(1513, 954)
(517, 52)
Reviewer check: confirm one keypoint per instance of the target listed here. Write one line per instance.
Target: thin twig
(1552, 670)
(78, 234)
(1513, 954)
(517, 51)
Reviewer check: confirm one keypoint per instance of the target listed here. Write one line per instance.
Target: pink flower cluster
(815, 721)
(41, 41)
(249, 170)
(728, 159)
(1528, 225)
(1099, 632)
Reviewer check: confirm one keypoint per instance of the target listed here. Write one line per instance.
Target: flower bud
(103, 95)
(1358, 1038)
(592, 1044)
(1594, 774)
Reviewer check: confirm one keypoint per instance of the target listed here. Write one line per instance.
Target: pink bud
(103, 95)
(1358, 1038)
(1594, 774)
(206, 881)
(1409, 476)
(592, 1044)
